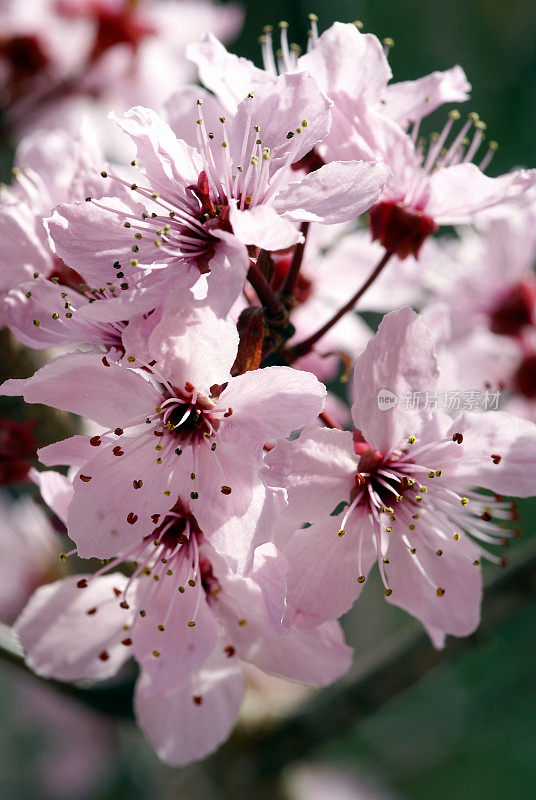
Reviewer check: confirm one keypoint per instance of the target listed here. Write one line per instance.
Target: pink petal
(193, 721)
(90, 239)
(336, 192)
(317, 470)
(192, 344)
(56, 490)
(399, 360)
(182, 648)
(317, 656)
(408, 101)
(63, 641)
(348, 62)
(71, 452)
(228, 269)
(24, 251)
(272, 402)
(496, 433)
(168, 162)
(457, 611)
(83, 384)
(279, 108)
(235, 527)
(264, 227)
(39, 300)
(108, 512)
(227, 75)
(323, 569)
(459, 192)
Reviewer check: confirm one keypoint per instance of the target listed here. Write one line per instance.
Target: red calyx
(515, 310)
(17, 444)
(525, 377)
(25, 54)
(400, 231)
(117, 27)
(303, 286)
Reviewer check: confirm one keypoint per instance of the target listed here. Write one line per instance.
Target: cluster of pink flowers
(202, 295)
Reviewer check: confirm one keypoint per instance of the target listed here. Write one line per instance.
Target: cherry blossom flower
(435, 185)
(481, 308)
(344, 62)
(191, 430)
(197, 210)
(399, 491)
(188, 620)
(50, 168)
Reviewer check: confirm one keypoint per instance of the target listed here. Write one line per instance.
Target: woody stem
(304, 347)
(264, 291)
(295, 265)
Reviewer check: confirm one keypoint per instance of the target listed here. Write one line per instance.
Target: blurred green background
(468, 730)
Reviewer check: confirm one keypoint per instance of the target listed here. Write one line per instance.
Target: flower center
(390, 488)
(525, 377)
(515, 310)
(188, 415)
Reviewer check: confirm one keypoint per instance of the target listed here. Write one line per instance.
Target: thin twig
(295, 265)
(304, 347)
(264, 291)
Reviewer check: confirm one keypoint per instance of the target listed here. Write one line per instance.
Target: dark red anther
(400, 230)
(95, 441)
(117, 451)
(132, 518)
(496, 458)
(104, 655)
(197, 700)
(82, 583)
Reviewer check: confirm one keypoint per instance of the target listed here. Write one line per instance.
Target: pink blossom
(191, 430)
(199, 208)
(188, 621)
(344, 62)
(399, 491)
(50, 168)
